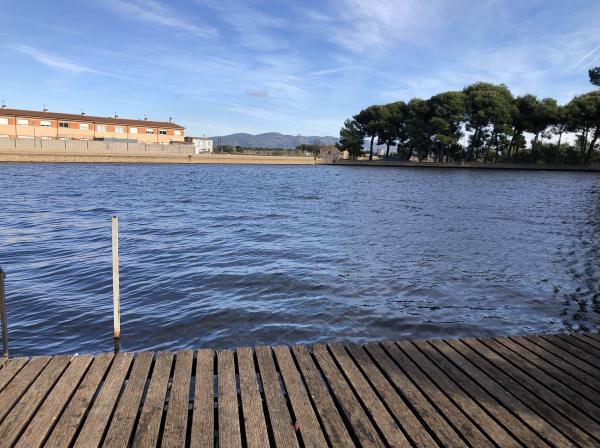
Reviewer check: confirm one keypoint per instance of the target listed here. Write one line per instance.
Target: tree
(584, 112)
(489, 108)
(544, 114)
(371, 122)
(352, 139)
(392, 125)
(594, 74)
(447, 114)
(523, 111)
(561, 125)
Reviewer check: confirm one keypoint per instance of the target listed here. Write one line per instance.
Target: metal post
(115, 266)
(3, 314)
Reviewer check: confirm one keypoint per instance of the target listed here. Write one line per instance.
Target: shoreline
(476, 166)
(53, 156)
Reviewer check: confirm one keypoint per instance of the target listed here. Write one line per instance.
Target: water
(225, 256)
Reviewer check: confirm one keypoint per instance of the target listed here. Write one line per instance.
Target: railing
(3, 314)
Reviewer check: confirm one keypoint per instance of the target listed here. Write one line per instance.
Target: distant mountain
(271, 140)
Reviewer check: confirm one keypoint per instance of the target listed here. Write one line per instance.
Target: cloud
(257, 92)
(156, 13)
(52, 61)
(256, 112)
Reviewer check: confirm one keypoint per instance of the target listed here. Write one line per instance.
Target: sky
(296, 67)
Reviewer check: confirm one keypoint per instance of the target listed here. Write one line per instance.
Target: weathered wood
(587, 340)
(148, 426)
(121, 427)
(593, 353)
(254, 419)
(445, 433)
(501, 414)
(575, 350)
(306, 420)
(229, 417)
(54, 404)
(94, 426)
(20, 383)
(279, 416)
(566, 355)
(336, 431)
(379, 414)
(469, 407)
(64, 431)
(18, 418)
(10, 369)
(491, 367)
(177, 412)
(353, 411)
(595, 336)
(203, 431)
(558, 362)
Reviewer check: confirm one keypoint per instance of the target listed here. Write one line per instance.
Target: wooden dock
(541, 390)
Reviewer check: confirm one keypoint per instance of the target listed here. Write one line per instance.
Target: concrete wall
(91, 146)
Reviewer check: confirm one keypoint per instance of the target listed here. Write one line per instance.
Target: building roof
(85, 118)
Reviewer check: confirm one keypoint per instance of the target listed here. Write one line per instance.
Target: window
(45, 123)
(25, 136)
(3, 120)
(119, 129)
(177, 131)
(162, 131)
(84, 126)
(63, 124)
(149, 131)
(101, 127)
(22, 122)
(133, 130)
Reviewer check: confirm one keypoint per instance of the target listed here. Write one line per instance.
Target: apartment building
(17, 123)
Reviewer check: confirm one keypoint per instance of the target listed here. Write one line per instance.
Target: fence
(93, 146)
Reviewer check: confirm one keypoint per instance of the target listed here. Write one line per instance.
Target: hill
(272, 140)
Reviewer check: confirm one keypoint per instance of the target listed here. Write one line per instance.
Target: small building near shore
(202, 145)
(330, 154)
(20, 124)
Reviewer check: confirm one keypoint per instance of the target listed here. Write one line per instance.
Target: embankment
(69, 156)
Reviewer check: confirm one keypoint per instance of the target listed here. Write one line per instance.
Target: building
(16, 123)
(330, 154)
(203, 145)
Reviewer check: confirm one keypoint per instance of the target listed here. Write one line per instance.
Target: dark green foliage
(498, 127)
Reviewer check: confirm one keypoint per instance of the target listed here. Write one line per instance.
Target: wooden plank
(469, 407)
(332, 421)
(353, 411)
(254, 419)
(20, 383)
(146, 435)
(379, 414)
(279, 416)
(552, 417)
(587, 340)
(121, 427)
(584, 353)
(445, 433)
(57, 400)
(68, 424)
(567, 356)
(20, 415)
(453, 414)
(595, 336)
(203, 417)
(177, 412)
(538, 382)
(10, 369)
(95, 425)
(508, 399)
(558, 362)
(306, 420)
(501, 414)
(560, 381)
(229, 417)
(407, 419)
(588, 348)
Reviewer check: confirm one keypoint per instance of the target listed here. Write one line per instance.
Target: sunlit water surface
(225, 256)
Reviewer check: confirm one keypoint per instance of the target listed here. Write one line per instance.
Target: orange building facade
(16, 123)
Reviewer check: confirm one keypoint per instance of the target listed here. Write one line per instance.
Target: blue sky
(220, 66)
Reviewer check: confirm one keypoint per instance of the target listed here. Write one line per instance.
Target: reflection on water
(224, 256)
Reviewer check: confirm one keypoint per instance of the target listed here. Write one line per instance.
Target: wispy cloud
(257, 92)
(156, 13)
(52, 61)
(257, 112)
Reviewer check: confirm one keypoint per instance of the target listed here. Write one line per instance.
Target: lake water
(225, 256)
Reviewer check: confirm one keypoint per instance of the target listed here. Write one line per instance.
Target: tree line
(484, 122)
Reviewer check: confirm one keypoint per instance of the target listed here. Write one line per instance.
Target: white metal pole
(3, 314)
(115, 266)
